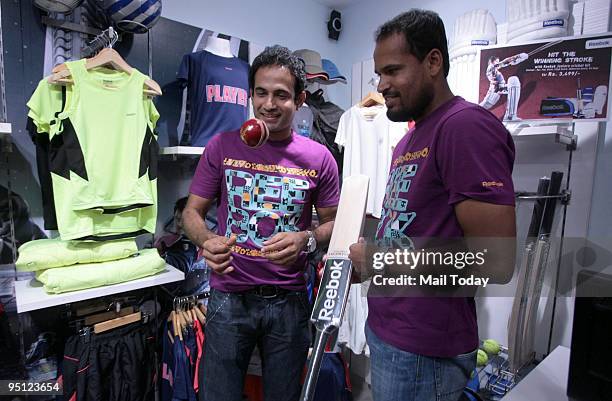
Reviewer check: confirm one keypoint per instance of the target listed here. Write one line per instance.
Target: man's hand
(357, 255)
(284, 248)
(217, 252)
(518, 58)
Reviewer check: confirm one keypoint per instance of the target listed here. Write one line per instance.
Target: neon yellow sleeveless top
(103, 166)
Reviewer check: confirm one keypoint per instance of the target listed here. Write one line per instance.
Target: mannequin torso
(218, 46)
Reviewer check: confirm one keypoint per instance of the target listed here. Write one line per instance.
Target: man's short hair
(423, 31)
(280, 56)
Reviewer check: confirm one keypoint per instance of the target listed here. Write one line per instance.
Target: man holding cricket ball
(266, 192)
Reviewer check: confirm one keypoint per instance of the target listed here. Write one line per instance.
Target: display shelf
(181, 151)
(547, 382)
(560, 132)
(31, 295)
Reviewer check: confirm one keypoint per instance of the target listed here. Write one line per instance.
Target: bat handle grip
(310, 383)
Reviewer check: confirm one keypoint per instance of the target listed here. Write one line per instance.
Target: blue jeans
(235, 323)
(403, 376)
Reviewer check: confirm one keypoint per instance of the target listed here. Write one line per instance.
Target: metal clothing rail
(175, 297)
(564, 196)
(189, 299)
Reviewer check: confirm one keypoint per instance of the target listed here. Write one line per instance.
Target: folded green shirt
(79, 277)
(47, 253)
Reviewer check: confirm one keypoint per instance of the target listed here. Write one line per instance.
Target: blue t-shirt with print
(218, 93)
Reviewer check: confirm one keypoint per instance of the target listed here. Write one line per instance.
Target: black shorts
(114, 366)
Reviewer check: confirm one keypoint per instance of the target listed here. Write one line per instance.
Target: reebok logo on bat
(330, 291)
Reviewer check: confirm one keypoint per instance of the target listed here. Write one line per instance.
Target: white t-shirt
(368, 138)
(352, 329)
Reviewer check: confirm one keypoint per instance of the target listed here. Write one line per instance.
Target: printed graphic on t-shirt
(226, 94)
(261, 205)
(396, 217)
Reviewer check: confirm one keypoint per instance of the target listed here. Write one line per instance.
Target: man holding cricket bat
(450, 177)
(258, 254)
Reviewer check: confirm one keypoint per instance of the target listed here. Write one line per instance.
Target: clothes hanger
(101, 317)
(203, 309)
(117, 322)
(89, 309)
(106, 57)
(372, 99)
(185, 310)
(104, 304)
(171, 320)
(178, 330)
(188, 316)
(199, 315)
(189, 310)
(179, 315)
(195, 312)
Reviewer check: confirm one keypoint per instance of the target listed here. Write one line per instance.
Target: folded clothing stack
(64, 266)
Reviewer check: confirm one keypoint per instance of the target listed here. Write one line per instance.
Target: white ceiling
(336, 4)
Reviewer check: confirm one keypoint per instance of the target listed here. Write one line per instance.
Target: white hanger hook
(112, 38)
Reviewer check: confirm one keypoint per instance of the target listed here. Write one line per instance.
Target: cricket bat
(517, 316)
(334, 287)
(540, 262)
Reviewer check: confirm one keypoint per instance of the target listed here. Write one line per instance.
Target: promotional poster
(562, 79)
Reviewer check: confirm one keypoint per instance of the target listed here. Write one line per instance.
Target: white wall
(361, 20)
(297, 24)
(292, 23)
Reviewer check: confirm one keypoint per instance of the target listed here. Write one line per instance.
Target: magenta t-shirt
(262, 192)
(460, 151)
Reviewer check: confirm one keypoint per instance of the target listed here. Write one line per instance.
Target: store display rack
(31, 295)
(181, 151)
(563, 133)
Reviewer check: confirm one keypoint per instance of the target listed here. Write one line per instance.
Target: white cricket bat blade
(350, 217)
(335, 283)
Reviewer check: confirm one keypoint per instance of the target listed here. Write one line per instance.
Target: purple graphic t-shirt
(458, 152)
(262, 192)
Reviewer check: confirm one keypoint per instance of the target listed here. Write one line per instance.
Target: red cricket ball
(254, 132)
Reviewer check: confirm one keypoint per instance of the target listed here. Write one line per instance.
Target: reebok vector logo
(331, 291)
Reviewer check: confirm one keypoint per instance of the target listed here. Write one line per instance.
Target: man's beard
(417, 111)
